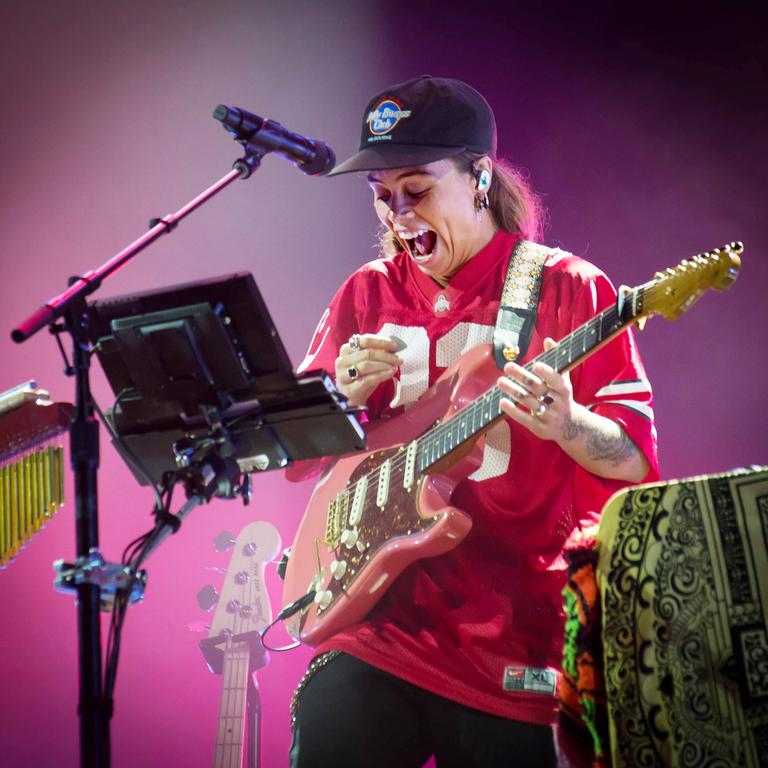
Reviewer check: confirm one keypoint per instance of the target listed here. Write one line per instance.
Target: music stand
(89, 575)
(190, 359)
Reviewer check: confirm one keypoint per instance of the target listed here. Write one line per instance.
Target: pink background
(646, 134)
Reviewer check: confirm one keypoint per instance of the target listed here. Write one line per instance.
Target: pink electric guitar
(372, 514)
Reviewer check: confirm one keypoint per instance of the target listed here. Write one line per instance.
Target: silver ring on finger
(540, 411)
(352, 372)
(354, 342)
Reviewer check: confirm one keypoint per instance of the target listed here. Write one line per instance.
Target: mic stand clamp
(110, 578)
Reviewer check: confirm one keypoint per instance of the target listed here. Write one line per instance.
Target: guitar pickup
(382, 491)
(358, 501)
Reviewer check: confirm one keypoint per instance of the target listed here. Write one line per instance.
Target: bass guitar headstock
(244, 604)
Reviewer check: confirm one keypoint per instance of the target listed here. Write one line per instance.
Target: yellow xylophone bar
(31, 490)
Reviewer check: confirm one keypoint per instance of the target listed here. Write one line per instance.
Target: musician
(459, 658)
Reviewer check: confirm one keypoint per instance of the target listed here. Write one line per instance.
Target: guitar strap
(519, 300)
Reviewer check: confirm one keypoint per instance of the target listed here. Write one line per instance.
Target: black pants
(353, 715)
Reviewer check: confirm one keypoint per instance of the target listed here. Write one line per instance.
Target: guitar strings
(493, 395)
(577, 338)
(236, 669)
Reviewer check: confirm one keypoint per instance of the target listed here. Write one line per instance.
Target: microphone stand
(93, 710)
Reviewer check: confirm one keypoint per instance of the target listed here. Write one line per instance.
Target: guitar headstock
(244, 603)
(675, 290)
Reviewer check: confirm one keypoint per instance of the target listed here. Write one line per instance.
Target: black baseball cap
(420, 121)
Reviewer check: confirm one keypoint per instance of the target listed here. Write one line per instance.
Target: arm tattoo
(571, 430)
(615, 449)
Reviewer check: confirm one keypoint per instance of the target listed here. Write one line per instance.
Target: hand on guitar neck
(541, 400)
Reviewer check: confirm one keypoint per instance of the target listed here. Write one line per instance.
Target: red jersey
(482, 624)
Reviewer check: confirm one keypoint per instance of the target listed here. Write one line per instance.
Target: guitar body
(415, 522)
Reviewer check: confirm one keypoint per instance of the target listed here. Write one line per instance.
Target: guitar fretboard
(230, 735)
(444, 438)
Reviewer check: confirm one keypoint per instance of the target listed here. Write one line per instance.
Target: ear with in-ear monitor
(483, 180)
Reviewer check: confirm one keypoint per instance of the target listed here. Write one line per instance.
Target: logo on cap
(385, 116)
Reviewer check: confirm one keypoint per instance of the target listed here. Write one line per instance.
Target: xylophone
(31, 464)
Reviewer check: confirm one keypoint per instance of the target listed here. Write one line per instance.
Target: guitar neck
(230, 734)
(444, 438)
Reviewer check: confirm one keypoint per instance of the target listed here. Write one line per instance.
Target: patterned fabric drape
(683, 576)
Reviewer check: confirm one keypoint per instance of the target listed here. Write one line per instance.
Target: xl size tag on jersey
(529, 680)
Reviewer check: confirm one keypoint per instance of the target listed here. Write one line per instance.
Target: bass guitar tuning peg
(207, 597)
(224, 541)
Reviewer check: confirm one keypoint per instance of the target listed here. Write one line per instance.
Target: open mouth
(419, 243)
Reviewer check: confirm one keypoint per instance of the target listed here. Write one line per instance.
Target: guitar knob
(338, 568)
(323, 598)
(349, 538)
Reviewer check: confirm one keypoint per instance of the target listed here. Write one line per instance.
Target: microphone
(312, 156)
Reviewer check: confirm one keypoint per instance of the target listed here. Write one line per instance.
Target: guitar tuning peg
(224, 541)
(207, 597)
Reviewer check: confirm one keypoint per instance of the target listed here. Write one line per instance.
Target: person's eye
(382, 195)
(417, 193)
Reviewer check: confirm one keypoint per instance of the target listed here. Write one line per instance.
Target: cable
(289, 610)
(132, 557)
(272, 648)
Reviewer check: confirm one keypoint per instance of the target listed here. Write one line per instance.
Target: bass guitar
(374, 513)
(233, 648)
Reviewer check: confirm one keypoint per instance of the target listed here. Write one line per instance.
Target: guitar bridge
(336, 520)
